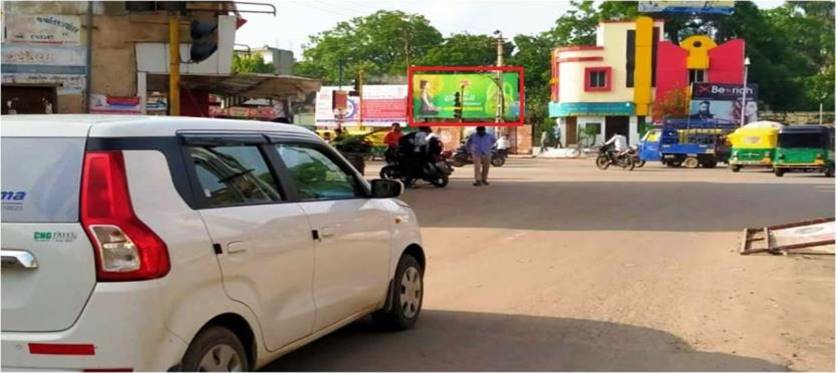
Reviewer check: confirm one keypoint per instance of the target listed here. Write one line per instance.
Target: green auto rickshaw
(753, 145)
(804, 148)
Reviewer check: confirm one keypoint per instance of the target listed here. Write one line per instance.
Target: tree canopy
(791, 48)
(252, 63)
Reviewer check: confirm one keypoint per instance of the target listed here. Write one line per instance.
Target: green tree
(252, 63)
(382, 43)
(465, 50)
(577, 26)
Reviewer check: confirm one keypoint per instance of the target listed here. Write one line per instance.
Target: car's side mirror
(382, 188)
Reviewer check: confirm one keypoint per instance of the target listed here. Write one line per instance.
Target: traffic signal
(204, 39)
(457, 105)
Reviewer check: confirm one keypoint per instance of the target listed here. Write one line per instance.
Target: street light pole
(745, 88)
(500, 99)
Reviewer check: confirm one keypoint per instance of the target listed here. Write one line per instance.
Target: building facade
(610, 87)
(112, 57)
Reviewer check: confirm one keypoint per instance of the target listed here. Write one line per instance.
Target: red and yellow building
(610, 87)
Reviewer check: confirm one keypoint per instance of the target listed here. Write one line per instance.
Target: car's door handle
(235, 247)
(18, 258)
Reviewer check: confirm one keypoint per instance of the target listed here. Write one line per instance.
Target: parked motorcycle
(606, 158)
(462, 157)
(408, 168)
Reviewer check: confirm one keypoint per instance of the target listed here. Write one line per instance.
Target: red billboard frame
(412, 69)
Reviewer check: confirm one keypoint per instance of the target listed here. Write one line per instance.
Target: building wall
(113, 59)
(45, 44)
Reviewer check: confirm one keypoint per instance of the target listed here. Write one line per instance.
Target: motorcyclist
(617, 146)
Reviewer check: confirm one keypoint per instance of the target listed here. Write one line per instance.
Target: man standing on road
(480, 145)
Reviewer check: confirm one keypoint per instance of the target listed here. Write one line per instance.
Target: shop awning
(245, 85)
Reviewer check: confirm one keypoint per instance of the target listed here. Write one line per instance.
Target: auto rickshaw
(753, 145)
(649, 146)
(804, 148)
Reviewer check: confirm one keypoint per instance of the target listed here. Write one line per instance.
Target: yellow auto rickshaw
(753, 145)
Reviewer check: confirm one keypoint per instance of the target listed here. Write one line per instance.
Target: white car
(160, 243)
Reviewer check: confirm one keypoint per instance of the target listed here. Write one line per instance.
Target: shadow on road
(618, 206)
(454, 341)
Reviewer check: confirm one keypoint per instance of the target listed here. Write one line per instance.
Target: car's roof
(96, 125)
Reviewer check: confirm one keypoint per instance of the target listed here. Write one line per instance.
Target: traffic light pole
(174, 65)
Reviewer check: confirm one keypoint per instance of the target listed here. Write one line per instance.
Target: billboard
(724, 102)
(382, 105)
(465, 96)
(687, 7)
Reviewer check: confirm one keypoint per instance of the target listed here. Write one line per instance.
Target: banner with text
(724, 102)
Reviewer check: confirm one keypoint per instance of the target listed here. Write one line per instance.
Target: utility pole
(360, 97)
(745, 84)
(174, 64)
(500, 96)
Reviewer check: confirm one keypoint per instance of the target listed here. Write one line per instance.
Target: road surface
(559, 266)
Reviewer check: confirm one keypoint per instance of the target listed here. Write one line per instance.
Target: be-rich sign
(724, 102)
(719, 91)
(42, 29)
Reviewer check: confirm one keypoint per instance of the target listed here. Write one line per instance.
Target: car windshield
(802, 140)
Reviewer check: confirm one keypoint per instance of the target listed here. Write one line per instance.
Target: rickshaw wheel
(828, 172)
(735, 168)
(779, 172)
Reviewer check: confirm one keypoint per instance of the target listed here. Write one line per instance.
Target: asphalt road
(559, 266)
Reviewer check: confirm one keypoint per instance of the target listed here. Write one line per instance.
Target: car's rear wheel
(215, 349)
(406, 297)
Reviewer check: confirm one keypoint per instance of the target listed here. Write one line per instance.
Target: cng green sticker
(43, 236)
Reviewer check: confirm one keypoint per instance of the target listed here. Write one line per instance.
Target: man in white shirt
(619, 142)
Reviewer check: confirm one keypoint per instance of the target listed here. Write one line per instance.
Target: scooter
(402, 167)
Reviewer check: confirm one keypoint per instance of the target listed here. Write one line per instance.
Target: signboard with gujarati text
(42, 29)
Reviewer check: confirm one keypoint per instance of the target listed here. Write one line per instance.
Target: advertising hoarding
(687, 7)
(465, 95)
(724, 102)
(434, 95)
(382, 106)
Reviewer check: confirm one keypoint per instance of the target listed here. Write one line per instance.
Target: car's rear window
(41, 178)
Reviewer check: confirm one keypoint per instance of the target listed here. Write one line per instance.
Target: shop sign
(102, 104)
(590, 109)
(43, 55)
(155, 104)
(64, 83)
(258, 112)
(42, 29)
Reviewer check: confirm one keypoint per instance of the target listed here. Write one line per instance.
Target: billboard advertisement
(382, 105)
(465, 96)
(687, 7)
(724, 102)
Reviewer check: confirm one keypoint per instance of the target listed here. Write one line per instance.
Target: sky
(296, 20)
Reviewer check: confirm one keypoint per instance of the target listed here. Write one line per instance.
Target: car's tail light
(126, 249)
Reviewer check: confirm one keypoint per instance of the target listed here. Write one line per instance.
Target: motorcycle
(606, 158)
(402, 167)
(462, 156)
